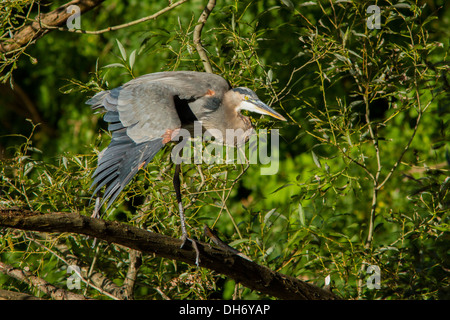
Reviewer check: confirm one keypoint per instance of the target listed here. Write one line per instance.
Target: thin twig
(377, 174)
(394, 167)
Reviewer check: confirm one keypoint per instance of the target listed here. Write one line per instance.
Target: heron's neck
(235, 126)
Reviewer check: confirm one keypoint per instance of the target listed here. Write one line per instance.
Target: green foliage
(364, 160)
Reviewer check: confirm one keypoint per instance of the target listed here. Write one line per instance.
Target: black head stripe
(245, 91)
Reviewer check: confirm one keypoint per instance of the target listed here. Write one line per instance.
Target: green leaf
(316, 160)
(268, 215)
(132, 58)
(282, 187)
(229, 289)
(308, 3)
(122, 50)
(114, 65)
(402, 6)
(301, 215)
(289, 4)
(269, 76)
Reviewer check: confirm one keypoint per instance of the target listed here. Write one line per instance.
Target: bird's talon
(184, 238)
(183, 241)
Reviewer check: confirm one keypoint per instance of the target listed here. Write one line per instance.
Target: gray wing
(139, 113)
(191, 86)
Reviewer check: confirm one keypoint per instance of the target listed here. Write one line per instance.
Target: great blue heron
(145, 113)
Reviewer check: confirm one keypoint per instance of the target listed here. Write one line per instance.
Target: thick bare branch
(39, 283)
(198, 35)
(130, 280)
(11, 295)
(56, 18)
(246, 272)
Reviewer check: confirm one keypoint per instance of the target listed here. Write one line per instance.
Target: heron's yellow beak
(260, 107)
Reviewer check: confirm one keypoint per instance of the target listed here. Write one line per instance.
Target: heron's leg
(184, 235)
(96, 213)
(177, 187)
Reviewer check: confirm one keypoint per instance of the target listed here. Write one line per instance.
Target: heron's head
(248, 100)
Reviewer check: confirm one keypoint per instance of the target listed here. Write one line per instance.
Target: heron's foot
(184, 239)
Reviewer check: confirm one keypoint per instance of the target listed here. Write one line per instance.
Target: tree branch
(246, 272)
(11, 295)
(93, 279)
(121, 26)
(56, 18)
(198, 32)
(130, 279)
(39, 283)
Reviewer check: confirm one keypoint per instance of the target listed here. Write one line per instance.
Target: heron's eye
(246, 98)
